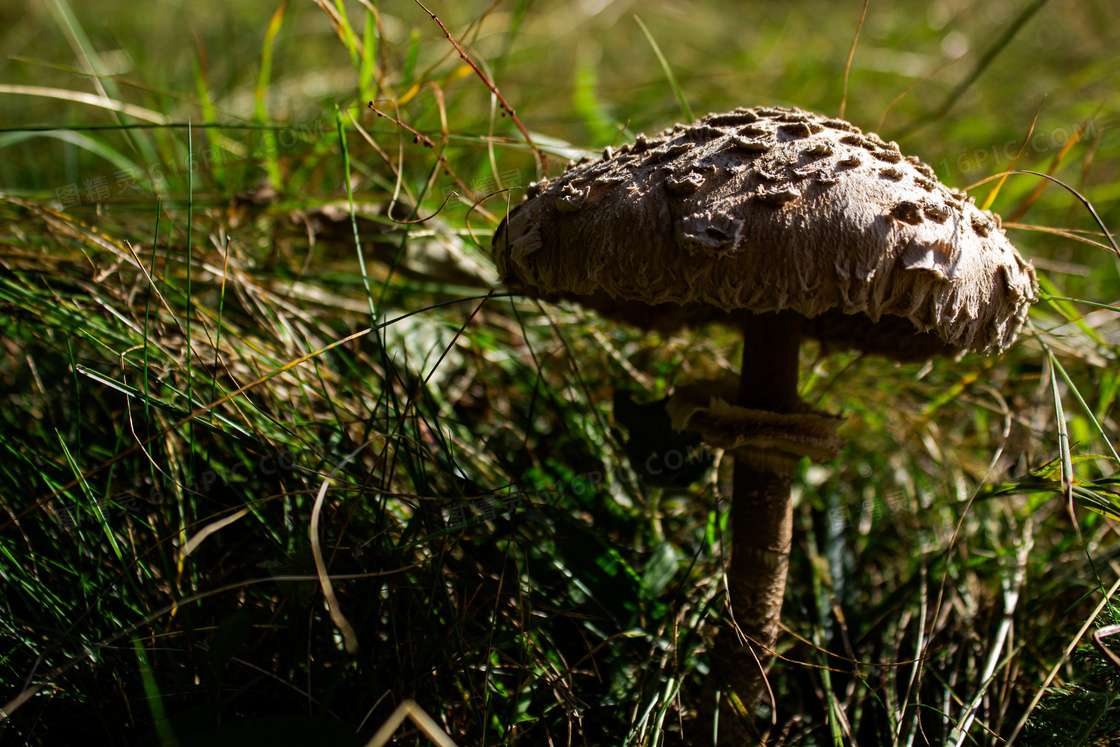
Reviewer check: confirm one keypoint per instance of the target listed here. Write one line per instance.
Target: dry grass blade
(994, 192)
(1061, 662)
(86, 98)
(1032, 198)
(349, 637)
(200, 536)
(1013, 587)
(848, 62)
(411, 710)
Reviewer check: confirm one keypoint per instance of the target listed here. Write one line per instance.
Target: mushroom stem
(771, 343)
(761, 520)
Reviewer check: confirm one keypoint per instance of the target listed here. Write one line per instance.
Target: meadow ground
(277, 454)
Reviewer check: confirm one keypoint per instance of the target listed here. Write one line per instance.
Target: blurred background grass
(148, 270)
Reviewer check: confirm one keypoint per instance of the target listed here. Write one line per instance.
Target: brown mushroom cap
(764, 209)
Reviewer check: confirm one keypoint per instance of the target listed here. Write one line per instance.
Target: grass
(245, 353)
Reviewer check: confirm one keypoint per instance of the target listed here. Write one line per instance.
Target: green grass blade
(677, 90)
(370, 44)
(346, 32)
(260, 111)
(94, 145)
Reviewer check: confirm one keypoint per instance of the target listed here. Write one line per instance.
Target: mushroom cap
(765, 209)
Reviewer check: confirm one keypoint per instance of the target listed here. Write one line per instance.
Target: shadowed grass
(304, 293)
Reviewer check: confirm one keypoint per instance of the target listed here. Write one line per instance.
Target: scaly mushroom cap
(764, 209)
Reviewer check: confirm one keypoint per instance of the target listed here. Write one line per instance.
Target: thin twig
(493, 89)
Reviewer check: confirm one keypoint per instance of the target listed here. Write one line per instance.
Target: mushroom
(786, 224)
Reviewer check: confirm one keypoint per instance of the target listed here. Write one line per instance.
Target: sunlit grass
(206, 327)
